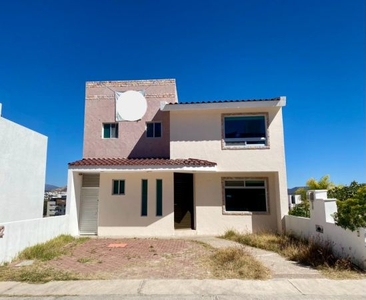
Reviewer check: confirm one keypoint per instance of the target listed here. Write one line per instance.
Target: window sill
(243, 147)
(244, 213)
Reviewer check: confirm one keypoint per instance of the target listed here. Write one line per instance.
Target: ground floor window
(245, 195)
(118, 187)
(159, 197)
(144, 197)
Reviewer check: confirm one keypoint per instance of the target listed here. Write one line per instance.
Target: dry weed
(234, 262)
(315, 253)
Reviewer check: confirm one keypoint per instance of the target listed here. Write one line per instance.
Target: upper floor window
(245, 130)
(153, 129)
(110, 130)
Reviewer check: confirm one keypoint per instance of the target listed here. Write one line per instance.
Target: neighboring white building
(22, 172)
(22, 182)
(293, 200)
(56, 205)
(201, 167)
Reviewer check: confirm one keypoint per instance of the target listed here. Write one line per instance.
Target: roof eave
(164, 106)
(98, 169)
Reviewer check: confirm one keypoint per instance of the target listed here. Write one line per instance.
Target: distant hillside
(53, 188)
(294, 189)
(61, 189)
(49, 187)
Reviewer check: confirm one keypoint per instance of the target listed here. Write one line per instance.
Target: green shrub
(351, 213)
(301, 210)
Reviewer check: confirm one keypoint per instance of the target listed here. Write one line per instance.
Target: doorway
(88, 216)
(183, 201)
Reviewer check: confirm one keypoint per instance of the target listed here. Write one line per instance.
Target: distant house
(22, 172)
(293, 198)
(56, 205)
(180, 168)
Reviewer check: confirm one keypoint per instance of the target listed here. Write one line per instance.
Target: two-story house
(182, 168)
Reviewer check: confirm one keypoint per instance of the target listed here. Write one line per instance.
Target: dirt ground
(137, 259)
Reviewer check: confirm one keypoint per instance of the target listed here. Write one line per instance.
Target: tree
(351, 213)
(344, 192)
(303, 209)
(323, 183)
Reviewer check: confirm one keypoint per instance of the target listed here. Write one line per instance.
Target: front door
(183, 201)
(88, 223)
(88, 216)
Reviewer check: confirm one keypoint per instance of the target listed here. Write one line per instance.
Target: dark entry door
(183, 201)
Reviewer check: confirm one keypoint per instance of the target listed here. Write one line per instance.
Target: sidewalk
(283, 288)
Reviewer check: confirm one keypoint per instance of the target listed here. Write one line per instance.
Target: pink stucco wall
(132, 140)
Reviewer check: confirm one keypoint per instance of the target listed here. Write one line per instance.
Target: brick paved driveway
(137, 259)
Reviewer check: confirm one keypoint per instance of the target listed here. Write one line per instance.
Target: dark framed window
(110, 130)
(159, 197)
(118, 187)
(153, 129)
(144, 197)
(245, 130)
(245, 195)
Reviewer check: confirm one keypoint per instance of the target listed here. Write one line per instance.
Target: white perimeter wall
(22, 172)
(22, 234)
(320, 227)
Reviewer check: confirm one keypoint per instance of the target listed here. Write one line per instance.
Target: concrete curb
(231, 287)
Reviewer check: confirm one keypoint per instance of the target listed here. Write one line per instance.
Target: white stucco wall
(74, 181)
(22, 172)
(321, 228)
(22, 234)
(209, 206)
(199, 133)
(120, 215)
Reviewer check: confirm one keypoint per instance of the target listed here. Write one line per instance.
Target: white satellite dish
(130, 106)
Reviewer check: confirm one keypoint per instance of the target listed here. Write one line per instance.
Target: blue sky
(312, 52)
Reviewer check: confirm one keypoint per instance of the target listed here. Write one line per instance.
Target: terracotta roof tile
(189, 162)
